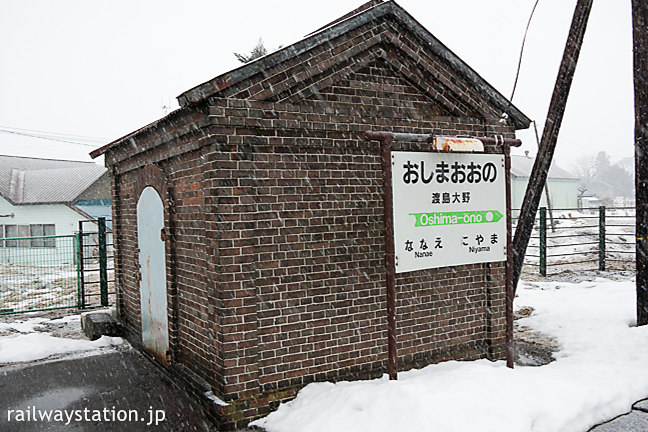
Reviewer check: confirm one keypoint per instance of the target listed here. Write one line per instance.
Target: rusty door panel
(152, 261)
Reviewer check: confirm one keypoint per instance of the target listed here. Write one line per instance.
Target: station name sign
(449, 209)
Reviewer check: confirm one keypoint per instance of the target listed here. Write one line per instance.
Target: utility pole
(550, 135)
(546, 186)
(640, 45)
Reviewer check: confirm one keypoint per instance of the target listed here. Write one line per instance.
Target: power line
(47, 138)
(55, 134)
(526, 31)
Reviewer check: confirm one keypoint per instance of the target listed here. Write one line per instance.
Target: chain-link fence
(53, 272)
(38, 273)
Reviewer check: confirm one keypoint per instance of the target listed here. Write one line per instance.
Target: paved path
(101, 389)
(635, 421)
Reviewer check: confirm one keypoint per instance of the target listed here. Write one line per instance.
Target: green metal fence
(593, 239)
(55, 272)
(38, 273)
(96, 258)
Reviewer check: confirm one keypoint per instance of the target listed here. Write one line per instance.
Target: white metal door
(153, 287)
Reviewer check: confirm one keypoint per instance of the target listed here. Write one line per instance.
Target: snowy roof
(26, 180)
(521, 167)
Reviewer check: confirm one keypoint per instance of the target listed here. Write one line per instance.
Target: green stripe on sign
(456, 218)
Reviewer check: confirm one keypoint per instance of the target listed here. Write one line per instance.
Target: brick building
(272, 229)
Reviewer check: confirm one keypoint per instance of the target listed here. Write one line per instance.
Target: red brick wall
(275, 258)
(273, 209)
(179, 179)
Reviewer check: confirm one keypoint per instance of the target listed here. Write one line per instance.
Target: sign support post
(445, 218)
(390, 262)
(510, 287)
(386, 138)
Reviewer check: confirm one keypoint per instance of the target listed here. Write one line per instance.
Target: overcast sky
(77, 70)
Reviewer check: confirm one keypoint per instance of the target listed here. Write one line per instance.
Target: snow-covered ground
(28, 338)
(24, 288)
(33, 287)
(600, 370)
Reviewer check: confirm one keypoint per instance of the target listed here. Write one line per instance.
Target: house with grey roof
(44, 198)
(562, 185)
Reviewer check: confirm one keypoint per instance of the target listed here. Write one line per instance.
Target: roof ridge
(524, 171)
(46, 159)
(17, 185)
(370, 4)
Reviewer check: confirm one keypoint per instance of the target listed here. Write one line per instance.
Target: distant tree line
(604, 179)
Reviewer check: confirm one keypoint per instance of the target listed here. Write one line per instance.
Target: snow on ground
(33, 287)
(600, 370)
(27, 340)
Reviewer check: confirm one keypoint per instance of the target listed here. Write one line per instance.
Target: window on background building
(34, 230)
(11, 231)
(41, 230)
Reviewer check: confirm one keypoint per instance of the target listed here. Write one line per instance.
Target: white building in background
(563, 185)
(45, 197)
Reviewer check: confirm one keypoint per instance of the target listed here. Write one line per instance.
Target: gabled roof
(26, 180)
(383, 33)
(521, 167)
(273, 80)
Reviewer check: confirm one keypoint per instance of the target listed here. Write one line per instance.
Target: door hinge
(163, 234)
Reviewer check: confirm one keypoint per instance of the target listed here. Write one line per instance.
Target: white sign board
(449, 209)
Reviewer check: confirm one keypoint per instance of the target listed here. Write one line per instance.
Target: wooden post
(390, 265)
(640, 37)
(550, 134)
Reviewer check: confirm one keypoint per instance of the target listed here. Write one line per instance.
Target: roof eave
(39, 203)
(9, 200)
(103, 149)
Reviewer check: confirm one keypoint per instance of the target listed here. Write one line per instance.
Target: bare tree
(582, 189)
(585, 170)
